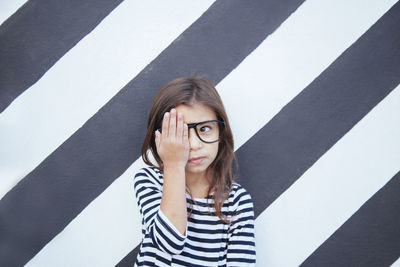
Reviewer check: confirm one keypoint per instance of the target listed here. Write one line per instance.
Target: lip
(196, 160)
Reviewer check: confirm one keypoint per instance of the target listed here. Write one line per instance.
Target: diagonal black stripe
(371, 237)
(39, 34)
(322, 113)
(129, 259)
(309, 125)
(48, 198)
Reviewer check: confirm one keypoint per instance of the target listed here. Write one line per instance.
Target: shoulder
(149, 170)
(149, 174)
(239, 197)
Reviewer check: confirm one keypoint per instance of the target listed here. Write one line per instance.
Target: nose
(194, 141)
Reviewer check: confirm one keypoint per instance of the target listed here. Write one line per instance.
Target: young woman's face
(201, 154)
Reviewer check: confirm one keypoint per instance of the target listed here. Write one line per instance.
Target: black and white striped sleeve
(148, 191)
(241, 243)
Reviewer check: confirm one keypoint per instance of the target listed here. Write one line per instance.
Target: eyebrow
(201, 121)
(193, 123)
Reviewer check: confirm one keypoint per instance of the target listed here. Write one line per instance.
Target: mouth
(196, 161)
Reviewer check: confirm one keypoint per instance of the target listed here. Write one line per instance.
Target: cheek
(214, 150)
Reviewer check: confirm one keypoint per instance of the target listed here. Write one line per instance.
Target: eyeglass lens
(208, 131)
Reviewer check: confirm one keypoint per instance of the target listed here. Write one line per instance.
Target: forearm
(173, 201)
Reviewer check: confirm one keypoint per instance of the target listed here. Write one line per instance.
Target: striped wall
(312, 89)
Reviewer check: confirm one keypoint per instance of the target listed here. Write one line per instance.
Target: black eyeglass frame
(194, 126)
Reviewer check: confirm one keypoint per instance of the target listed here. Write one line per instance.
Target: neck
(198, 184)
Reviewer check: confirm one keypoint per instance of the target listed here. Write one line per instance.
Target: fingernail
(166, 114)
(173, 110)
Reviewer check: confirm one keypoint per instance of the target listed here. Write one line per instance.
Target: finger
(172, 124)
(165, 124)
(157, 139)
(185, 134)
(179, 127)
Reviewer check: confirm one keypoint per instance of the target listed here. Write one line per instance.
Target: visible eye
(205, 128)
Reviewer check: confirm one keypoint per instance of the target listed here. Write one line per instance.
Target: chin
(196, 169)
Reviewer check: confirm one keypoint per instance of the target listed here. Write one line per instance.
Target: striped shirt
(208, 241)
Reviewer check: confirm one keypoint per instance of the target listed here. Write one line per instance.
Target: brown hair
(187, 90)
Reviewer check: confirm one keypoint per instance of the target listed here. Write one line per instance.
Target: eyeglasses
(207, 131)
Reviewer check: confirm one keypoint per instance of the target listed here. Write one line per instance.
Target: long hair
(188, 90)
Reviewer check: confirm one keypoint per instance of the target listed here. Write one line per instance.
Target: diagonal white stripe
(333, 189)
(396, 263)
(290, 59)
(88, 76)
(9, 7)
(110, 225)
(281, 53)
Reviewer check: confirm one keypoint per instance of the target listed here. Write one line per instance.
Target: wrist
(175, 167)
